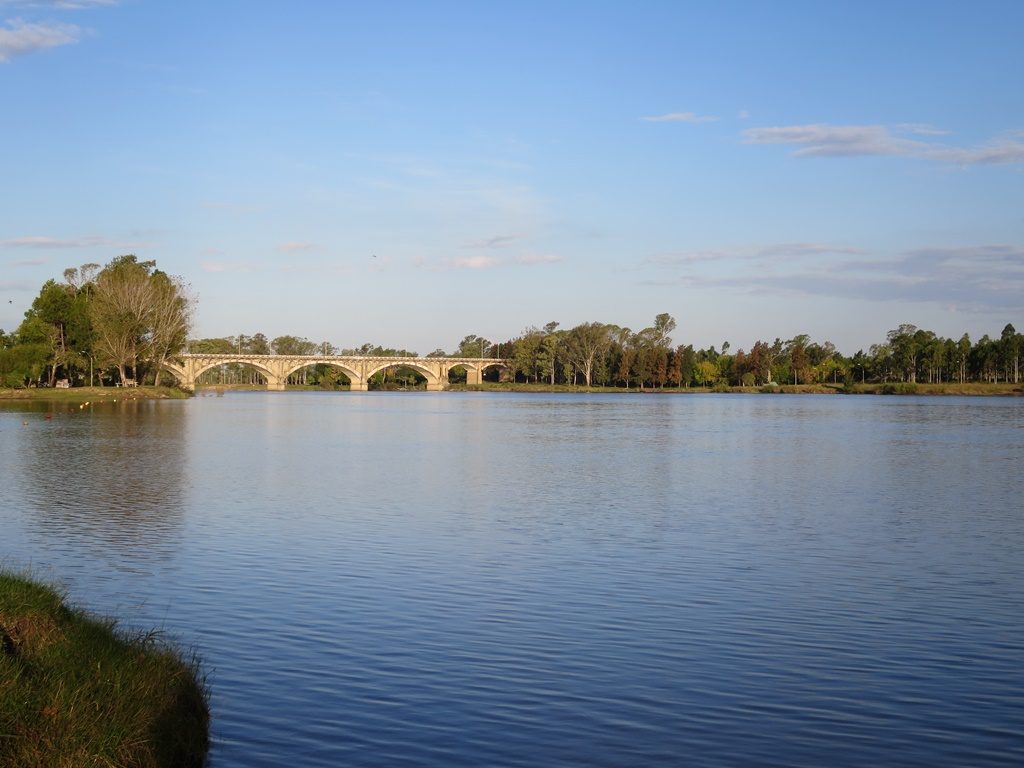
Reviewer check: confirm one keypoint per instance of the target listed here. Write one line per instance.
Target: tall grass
(77, 691)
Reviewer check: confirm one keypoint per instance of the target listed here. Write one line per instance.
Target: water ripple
(547, 580)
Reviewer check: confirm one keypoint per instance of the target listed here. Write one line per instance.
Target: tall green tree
(906, 346)
(119, 311)
(1010, 343)
(169, 317)
(584, 346)
(139, 315)
(59, 321)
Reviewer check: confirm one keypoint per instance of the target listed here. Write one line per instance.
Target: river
(442, 579)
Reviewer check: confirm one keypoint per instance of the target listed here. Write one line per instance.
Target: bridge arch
(267, 373)
(474, 369)
(353, 377)
(175, 370)
(433, 380)
(500, 366)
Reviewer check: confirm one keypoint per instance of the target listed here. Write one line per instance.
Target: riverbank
(75, 690)
(889, 388)
(93, 394)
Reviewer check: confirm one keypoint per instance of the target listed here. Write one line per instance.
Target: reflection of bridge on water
(277, 368)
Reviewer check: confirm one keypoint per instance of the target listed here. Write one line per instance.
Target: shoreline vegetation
(890, 388)
(87, 396)
(77, 690)
(92, 395)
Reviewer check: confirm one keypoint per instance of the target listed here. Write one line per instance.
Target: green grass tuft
(77, 691)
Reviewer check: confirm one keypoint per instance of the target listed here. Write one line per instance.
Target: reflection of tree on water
(104, 481)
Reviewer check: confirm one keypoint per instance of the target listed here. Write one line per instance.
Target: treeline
(599, 354)
(607, 355)
(115, 325)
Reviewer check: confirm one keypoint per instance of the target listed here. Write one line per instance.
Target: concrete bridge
(277, 368)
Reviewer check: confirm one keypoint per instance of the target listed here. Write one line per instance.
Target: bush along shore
(77, 691)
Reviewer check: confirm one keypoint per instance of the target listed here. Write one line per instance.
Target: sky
(408, 173)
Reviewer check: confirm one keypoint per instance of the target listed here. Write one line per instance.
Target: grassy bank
(93, 394)
(971, 388)
(75, 691)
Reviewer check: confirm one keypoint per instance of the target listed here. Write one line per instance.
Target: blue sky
(406, 173)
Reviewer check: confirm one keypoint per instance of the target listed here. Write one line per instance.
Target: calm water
(503, 580)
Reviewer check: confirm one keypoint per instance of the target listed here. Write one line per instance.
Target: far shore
(889, 388)
(79, 395)
(93, 394)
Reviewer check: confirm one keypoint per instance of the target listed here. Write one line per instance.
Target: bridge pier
(474, 376)
(358, 386)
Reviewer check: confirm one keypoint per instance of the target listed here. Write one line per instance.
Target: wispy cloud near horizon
(55, 243)
(498, 241)
(774, 252)
(824, 140)
(63, 5)
(298, 246)
(821, 140)
(20, 38)
(487, 261)
(680, 117)
(978, 278)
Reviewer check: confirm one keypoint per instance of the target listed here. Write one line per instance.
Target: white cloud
(473, 262)
(690, 257)
(22, 37)
(680, 117)
(42, 242)
(772, 252)
(922, 129)
(56, 243)
(998, 152)
(296, 247)
(64, 5)
(823, 140)
(981, 278)
(486, 261)
(498, 241)
(798, 249)
(537, 258)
